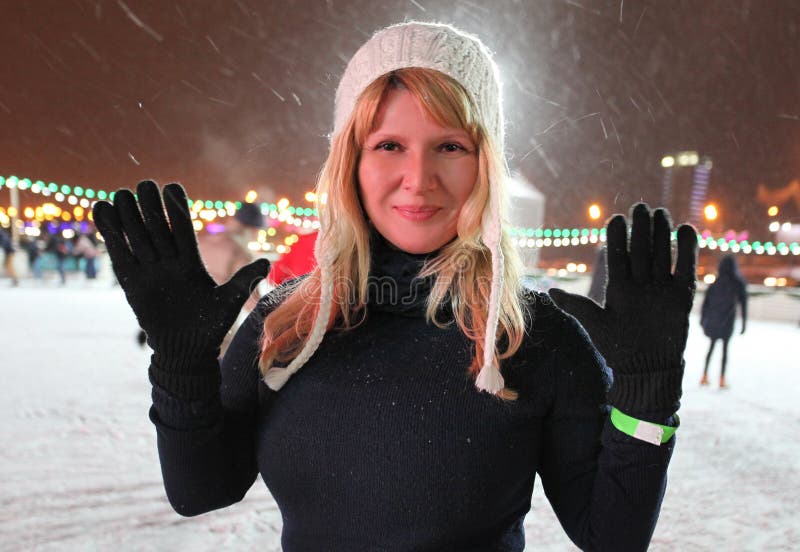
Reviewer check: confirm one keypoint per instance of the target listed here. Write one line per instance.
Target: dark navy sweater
(381, 442)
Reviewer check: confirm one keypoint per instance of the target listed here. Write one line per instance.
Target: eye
(388, 146)
(452, 147)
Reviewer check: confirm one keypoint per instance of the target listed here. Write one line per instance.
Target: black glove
(183, 311)
(642, 330)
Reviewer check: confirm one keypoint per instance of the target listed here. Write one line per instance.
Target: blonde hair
(462, 268)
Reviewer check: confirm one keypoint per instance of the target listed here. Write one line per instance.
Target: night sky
(230, 96)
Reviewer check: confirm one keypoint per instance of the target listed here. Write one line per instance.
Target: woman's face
(415, 175)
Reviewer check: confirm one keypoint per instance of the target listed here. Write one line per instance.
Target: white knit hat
(464, 58)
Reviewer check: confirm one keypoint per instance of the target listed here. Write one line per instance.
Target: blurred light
(594, 211)
(786, 226)
(198, 225)
(667, 161)
(772, 211)
(311, 197)
(710, 212)
(281, 249)
(582, 268)
(770, 281)
(780, 282)
(250, 196)
(68, 233)
(572, 267)
(709, 278)
(12, 211)
(29, 212)
(324, 199)
(774, 226)
(687, 158)
(562, 272)
(283, 203)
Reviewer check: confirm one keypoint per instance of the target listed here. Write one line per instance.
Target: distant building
(526, 210)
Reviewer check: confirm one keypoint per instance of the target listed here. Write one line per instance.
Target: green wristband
(644, 431)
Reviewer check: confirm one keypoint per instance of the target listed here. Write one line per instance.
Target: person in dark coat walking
(719, 311)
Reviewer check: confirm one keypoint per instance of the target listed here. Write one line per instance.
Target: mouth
(416, 213)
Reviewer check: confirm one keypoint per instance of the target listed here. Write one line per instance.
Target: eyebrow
(455, 135)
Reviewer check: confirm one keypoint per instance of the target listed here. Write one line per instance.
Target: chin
(420, 246)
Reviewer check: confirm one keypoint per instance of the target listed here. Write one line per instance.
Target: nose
(419, 173)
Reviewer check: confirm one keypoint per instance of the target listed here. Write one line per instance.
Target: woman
(719, 312)
(433, 387)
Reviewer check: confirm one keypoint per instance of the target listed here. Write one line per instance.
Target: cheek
(463, 180)
(368, 186)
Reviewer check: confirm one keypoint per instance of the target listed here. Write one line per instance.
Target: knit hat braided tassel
(276, 377)
(489, 378)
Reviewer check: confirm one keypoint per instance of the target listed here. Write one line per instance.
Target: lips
(416, 212)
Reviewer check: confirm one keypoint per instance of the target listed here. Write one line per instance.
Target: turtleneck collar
(394, 285)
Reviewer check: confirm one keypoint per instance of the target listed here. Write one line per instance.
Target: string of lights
(206, 211)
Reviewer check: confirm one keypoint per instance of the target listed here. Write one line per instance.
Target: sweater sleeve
(605, 487)
(206, 442)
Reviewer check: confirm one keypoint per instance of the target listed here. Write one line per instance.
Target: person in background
(407, 392)
(7, 245)
(86, 247)
(33, 247)
(61, 248)
(225, 250)
(718, 313)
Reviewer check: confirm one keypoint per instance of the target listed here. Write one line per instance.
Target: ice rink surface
(80, 470)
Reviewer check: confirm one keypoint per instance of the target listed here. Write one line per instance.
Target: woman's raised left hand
(642, 329)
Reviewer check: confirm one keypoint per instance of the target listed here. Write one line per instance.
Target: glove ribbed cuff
(198, 386)
(648, 394)
(184, 352)
(184, 365)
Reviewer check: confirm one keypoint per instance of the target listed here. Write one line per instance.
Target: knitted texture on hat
(455, 53)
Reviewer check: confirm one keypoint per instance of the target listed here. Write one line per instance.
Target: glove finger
(641, 243)
(242, 284)
(108, 224)
(155, 220)
(181, 221)
(584, 309)
(133, 226)
(686, 264)
(662, 246)
(617, 258)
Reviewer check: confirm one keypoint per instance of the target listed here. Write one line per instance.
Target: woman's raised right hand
(158, 265)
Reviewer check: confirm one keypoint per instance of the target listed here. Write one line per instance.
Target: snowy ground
(80, 471)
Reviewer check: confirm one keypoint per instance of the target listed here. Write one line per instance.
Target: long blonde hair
(462, 269)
